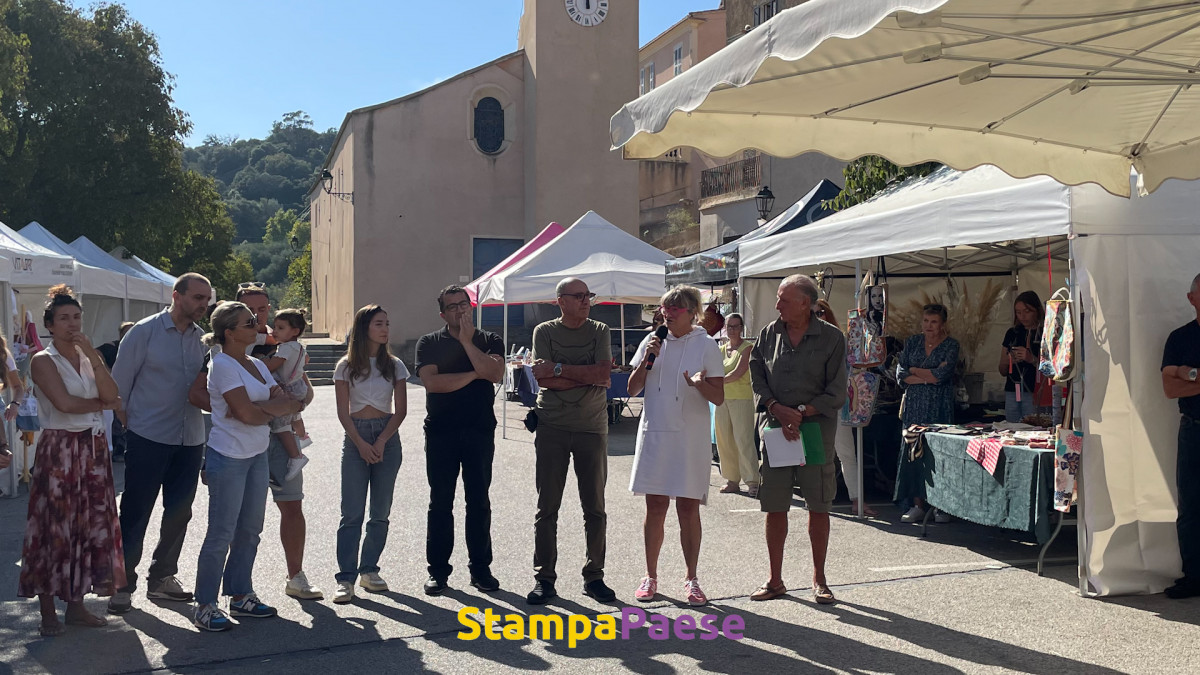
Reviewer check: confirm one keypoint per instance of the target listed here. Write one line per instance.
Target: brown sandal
(823, 595)
(53, 630)
(768, 592)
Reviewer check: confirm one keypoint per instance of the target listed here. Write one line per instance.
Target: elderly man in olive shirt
(798, 371)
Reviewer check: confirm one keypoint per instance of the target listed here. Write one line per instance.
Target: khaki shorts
(817, 483)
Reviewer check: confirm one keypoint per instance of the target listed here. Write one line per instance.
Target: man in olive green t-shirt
(572, 362)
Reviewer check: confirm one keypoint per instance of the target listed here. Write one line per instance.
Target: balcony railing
(733, 177)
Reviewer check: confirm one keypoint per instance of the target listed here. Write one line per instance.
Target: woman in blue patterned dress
(926, 372)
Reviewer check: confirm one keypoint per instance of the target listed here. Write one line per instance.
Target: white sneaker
(344, 592)
(940, 516)
(372, 582)
(915, 515)
(298, 587)
(303, 441)
(295, 466)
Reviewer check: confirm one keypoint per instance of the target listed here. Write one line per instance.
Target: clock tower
(580, 68)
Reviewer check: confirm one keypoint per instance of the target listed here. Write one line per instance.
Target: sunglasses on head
(251, 284)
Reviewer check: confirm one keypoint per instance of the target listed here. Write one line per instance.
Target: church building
(436, 187)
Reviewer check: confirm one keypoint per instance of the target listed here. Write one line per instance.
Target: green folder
(814, 443)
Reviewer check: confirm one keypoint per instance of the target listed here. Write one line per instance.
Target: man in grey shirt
(156, 363)
(798, 371)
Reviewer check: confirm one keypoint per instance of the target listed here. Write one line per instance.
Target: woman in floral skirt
(72, 538)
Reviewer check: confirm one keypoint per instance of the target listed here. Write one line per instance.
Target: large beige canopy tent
(1079, 90)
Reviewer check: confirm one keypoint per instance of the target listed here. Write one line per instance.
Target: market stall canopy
(544, 237)
(93, 279)
(719, 265)
(142, 285)
(128, 258)
(949, 221)
(617, 267)
(34, 264)
(1080, 91)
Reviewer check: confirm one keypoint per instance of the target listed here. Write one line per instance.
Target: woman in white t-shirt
(371, 402)
(244, 399)
(673, 455)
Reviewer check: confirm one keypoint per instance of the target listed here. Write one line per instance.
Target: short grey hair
(562, 285)
(804, 283)
(687, 297)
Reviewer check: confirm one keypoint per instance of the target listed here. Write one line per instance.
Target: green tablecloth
(1018, 497)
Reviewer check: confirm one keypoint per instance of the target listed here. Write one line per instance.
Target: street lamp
(327, 183)
(766, 201)
(296, 245)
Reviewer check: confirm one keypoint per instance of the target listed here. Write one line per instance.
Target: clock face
(587, 13)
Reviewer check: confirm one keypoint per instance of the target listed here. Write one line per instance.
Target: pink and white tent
(544, 237)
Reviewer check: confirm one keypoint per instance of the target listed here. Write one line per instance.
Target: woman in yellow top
(735, 417)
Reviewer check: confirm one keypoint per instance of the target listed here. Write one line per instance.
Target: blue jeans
(359, 479)
(1014, 410)
(237, 503)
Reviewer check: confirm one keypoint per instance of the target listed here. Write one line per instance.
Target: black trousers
(1187, 478)
(149, 468)
(447, 452)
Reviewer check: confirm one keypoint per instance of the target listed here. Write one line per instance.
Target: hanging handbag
(862, 389)
(1058, 338)
(27, 414)
(866, 347)
(1068, 452)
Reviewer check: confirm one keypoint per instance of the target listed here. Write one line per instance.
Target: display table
(1018, 497)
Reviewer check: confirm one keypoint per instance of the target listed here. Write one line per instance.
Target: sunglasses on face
(820, 312)
(252, 323)
(579, 296)
(455, 306)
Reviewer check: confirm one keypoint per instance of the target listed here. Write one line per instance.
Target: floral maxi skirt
(72, 536)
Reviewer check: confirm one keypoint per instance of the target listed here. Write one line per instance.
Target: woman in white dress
(674, 448)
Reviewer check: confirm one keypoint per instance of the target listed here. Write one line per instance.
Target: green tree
(871, 174)
(14, 69)
(96, 140)
(299, 293)
(280, 226)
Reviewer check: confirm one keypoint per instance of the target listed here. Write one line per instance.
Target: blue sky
(241, 64)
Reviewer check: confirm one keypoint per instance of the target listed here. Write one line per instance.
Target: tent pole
(621, 307)
(858, 445)
(504, 380)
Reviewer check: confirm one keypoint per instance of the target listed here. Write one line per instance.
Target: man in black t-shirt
(458, 366)
(1181, 380)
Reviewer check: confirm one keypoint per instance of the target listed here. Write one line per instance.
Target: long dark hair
(1031, 300)
(358, 356)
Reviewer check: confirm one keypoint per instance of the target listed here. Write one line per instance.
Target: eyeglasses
(733, 326)
(579, 296)
(251, 284)
(455, 306)
(671, 308)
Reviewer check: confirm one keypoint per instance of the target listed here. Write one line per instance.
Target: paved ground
(953, 602)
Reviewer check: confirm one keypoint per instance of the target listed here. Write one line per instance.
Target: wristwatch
(558, 370)
(801, 408)
(1193, 374)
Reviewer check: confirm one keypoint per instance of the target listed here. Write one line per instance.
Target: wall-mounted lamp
(297, 247)
(766, 201)
(327, 183)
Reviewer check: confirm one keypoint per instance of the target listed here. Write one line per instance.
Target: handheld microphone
(661, 334)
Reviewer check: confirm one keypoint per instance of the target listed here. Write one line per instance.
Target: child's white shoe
(303, 441)
(295, 466)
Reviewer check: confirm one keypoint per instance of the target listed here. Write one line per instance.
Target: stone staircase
(323, 355)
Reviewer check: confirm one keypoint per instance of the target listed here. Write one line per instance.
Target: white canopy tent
(1133, 261)
(102, 291)
(617, 266)
(34, 269)
(147, 292)
(126, 257)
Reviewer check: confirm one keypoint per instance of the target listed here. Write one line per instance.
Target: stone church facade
(436, 187)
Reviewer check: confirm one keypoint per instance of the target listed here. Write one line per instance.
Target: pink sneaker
(695, 596)
(647, 590)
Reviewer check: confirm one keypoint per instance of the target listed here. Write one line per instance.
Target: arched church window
(489, 125)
